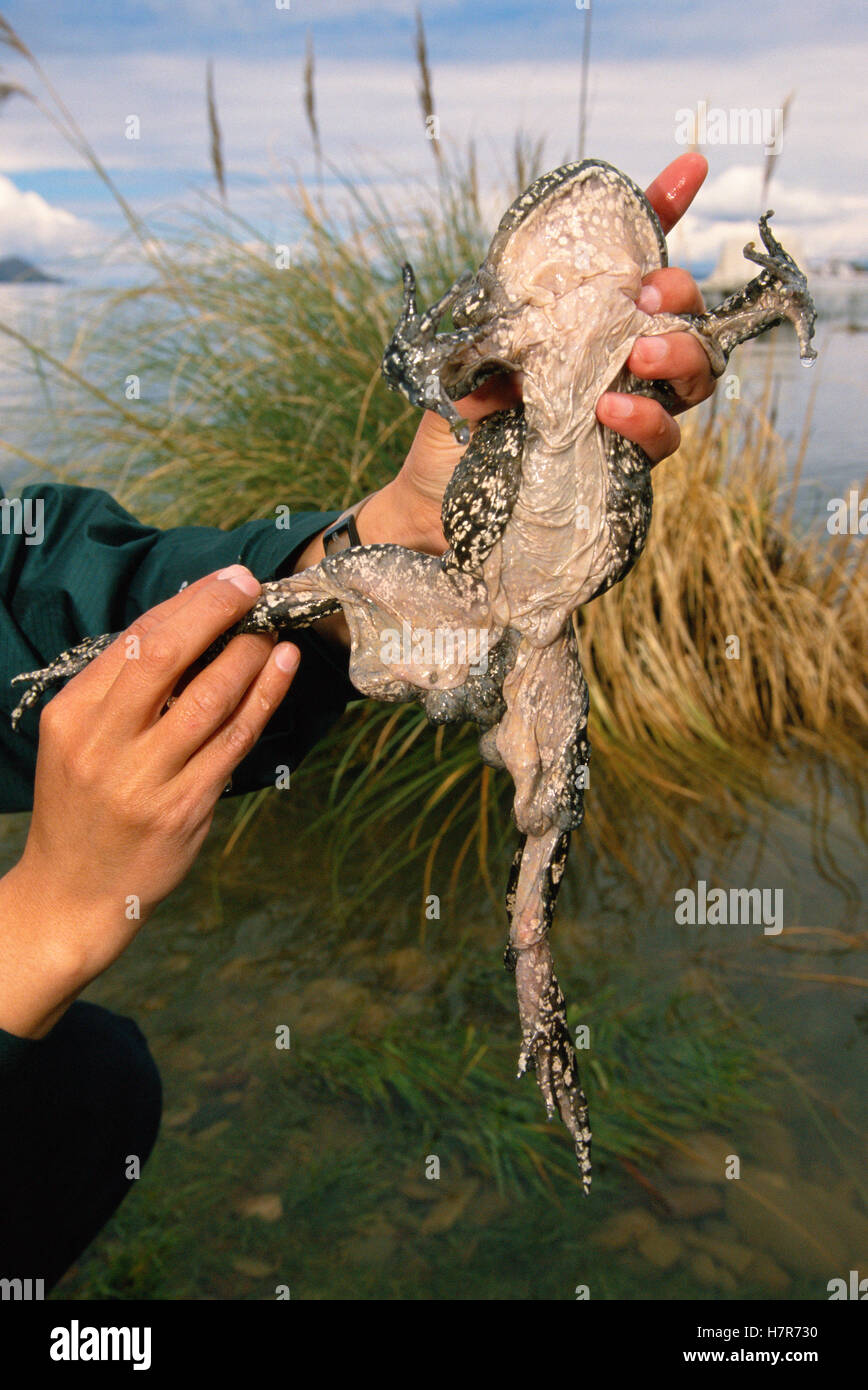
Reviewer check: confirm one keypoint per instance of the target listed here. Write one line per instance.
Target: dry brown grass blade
(216, 146)
(310, 96)
(772, 155)
(426, 90)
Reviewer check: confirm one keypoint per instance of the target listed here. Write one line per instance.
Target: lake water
(726, 1068)
(836, 455)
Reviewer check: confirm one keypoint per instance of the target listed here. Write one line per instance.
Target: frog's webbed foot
(63, 668)
(416, 352)
(779, 292)
(547, 1047)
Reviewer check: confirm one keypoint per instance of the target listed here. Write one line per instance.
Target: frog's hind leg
(546, 1044)
(543, 743)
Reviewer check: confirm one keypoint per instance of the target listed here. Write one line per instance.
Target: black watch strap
(341, 535)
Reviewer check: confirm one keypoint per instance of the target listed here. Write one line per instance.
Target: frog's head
(575, 243)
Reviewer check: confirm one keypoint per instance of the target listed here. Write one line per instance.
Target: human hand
(674, 357)
(125, 789)
(412, 501)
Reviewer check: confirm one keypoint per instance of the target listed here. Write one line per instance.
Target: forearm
(42, 969)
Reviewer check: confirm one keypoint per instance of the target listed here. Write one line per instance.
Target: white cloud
(29, 226)
(371, 127)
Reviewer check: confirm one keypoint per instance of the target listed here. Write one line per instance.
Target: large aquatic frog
(546, 509)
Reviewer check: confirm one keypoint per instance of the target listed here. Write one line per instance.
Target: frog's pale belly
(550, 557)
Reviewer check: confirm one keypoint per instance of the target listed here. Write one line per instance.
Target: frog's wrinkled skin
(546, 509)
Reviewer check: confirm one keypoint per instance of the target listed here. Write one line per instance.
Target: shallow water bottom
(342, 1117)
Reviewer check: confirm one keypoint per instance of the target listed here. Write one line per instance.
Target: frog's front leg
(779, 292)
(415, 627)
(63, 668)
(416, 352)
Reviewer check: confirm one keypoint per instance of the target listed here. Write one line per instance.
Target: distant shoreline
(14, 270)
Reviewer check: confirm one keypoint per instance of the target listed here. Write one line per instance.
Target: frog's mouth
(460, 379)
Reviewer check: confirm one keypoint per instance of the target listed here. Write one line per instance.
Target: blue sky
(497, 65)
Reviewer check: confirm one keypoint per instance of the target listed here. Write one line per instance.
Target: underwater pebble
(736, 1257)
(418, 1190)
(624, 1228)
(178, 963)
(763, 1270)
(788, 1222)
(327, 1004)
(206, 1135)
(686, 1203)
(774, 1145)
(660, 1249)
(209, 1112)
(373, 1246)
(186, 1057)
(489, 1207)
(409, 969)
(703, 1157)
(225, 1080)
(267, 1206)
(176, 1119)
(235, 967)
(702, 1267)
(374, 1021)
(252, 1269)
(444, 1215)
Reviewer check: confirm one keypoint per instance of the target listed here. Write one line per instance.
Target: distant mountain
(16, 271)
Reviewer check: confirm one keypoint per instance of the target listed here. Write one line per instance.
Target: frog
(546, 510)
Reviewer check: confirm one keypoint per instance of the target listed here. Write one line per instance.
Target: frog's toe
(550, 1052)
(547, 1048)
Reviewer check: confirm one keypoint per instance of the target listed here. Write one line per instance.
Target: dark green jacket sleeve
(74, 564)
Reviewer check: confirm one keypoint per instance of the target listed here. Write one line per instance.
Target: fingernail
(621, 407)
(241, 578)
(650, 299)
(286, 656)
(652, 349)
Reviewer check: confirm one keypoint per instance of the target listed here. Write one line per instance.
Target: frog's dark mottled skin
(546, 509)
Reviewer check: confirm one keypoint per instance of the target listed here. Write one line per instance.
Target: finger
(215, 762)
(156, 662)
(207, 702)
(670, 291)
(96, 679)
(672, 192)
(643, 421)
(677, 358)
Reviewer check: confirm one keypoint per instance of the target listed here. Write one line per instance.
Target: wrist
(41, 963)
(52, 945)
(397, 516)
